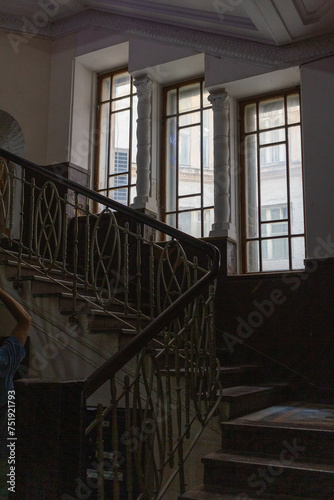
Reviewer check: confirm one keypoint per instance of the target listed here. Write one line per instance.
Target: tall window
(188, 125)
(115, 168)
(273, 206)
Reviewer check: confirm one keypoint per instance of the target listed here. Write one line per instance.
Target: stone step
(238, 374)
(13, 257)
(260, 476)
(240, 400)
(252, 434)
(104, 322)
(26, 270)
(206, 493)
(44, 286)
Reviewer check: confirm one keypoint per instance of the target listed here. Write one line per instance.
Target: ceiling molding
(268, 55)
(146, 10)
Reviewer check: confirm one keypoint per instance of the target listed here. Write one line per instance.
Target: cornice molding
(275, 57)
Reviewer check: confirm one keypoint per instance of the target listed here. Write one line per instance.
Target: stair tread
(204, 492)
(14, 263)
(220, 457)
(118, 329)
(46, 279)
(262, 418)
(102, 312)
(235, 368)
(239, 422)
(232, 393)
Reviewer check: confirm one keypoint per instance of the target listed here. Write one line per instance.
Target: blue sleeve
(11, 354)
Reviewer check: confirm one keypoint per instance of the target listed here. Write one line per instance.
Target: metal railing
(161, 293)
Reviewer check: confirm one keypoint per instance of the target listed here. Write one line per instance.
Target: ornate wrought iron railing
(153, 280)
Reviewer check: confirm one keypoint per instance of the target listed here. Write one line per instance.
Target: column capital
(219, 100)
(144, 85)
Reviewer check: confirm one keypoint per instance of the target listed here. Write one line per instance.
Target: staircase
(283, 452)
(272, 446)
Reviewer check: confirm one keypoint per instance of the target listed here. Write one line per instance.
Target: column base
(228, 251)
(222, 230)
(145, 204)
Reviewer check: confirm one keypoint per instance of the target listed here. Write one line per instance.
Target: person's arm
(21, 316)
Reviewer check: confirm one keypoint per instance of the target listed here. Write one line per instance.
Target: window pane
(121, 85)
(190, 161)
(271, 113)
(273, 175)
(190, 119)
(274, 212)
(171, 102)
(189, 202)
(189, 97)
(171, 220)
(133, 190)
(120, 195)
(296, 181)
(253, 261)
(208, 159)
(293, 108)
(104, 146)
(298, 252)
(119, 139)
(171, 164)
(134, 141)
(190, 222)
(251, 186)
(250, 118)
(185, 147)
(120, 104)
(274, 229)
(275, 254)
(272, 136)
(208, 221)
(105, 90)
(208, 188)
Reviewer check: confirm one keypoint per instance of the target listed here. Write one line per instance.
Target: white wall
(24, 90)
(317, 90)
(63, 52)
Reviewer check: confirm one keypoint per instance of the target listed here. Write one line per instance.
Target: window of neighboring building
(115, 167)
(272, 183)
(188, 161)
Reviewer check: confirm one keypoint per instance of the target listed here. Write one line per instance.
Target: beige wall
(24, 90)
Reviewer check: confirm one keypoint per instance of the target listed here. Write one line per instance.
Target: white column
(144, 140)
(222, 204)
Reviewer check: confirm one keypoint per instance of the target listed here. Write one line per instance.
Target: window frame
(163, 189)
(99, 102)
(243, 181)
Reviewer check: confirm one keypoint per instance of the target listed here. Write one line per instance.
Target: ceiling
(275, 22)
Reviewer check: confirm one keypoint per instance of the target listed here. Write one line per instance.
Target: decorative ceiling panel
(313, 11)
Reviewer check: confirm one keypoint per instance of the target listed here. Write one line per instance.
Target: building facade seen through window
(272, 184)
(115, 165)
(187, 191)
